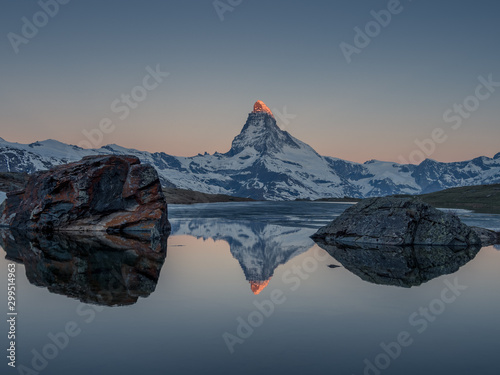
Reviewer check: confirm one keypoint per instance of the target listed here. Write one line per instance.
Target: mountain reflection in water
(258, 247)
(99, 268)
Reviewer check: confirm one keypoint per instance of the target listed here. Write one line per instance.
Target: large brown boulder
(97, 193)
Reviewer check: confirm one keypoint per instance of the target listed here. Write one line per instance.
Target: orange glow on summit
(258, 286)
(260, 106)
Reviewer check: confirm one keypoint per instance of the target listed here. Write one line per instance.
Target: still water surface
(241, 289)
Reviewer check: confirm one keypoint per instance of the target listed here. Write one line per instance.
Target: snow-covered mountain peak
(260, 106)
(261, 132)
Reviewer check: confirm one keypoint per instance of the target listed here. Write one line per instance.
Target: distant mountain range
(265, 162)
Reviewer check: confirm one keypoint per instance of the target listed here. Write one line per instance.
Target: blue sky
(428, 57)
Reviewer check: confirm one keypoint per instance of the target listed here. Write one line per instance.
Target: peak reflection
(258, 247)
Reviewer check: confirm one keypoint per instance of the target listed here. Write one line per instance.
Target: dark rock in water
(98, 193)
(101, 269)
(397, 221)
(403, 266)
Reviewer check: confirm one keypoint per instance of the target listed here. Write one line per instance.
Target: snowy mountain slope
(265, 162)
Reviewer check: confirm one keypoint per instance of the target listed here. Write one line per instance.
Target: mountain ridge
(265, 162)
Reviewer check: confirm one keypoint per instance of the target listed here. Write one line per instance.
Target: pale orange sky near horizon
(355, 142)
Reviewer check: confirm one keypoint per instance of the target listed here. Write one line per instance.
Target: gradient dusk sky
(287, 53)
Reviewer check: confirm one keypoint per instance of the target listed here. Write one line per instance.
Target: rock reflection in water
(99, 268)
(401, 266)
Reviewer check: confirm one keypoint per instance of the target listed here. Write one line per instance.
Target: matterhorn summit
(260, 106)
(261, 133)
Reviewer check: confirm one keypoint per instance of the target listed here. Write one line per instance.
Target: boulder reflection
(99, 268)
(406, 266)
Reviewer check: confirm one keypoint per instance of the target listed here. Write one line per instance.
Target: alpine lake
(240, 288)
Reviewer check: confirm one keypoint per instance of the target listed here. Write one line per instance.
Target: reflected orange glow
(258, 286)
(260, 106)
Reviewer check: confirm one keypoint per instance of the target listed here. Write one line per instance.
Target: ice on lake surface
(241, 288)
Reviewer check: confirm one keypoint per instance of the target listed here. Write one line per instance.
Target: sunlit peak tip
(260, 106)
(258, 286)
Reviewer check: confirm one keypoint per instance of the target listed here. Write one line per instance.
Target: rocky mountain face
(98, 193)
(12, 181)
(265, 162)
